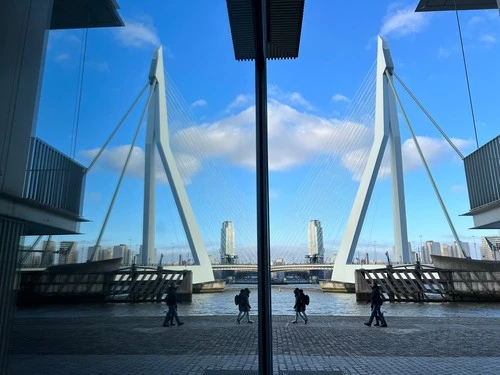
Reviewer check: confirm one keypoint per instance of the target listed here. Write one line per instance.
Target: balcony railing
(53, 179)
(482, 169)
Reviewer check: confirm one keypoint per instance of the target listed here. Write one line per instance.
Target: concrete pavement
(326, 345)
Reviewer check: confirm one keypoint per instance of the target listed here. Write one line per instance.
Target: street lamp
(374, 251)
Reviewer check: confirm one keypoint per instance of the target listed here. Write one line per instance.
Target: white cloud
(63, 57)
(287, 97)
(294, 137)
(435, 151)
(114, 158)
(199, 103)
(475, 20)
(138, 33)
(340, 98)
(401, 22)
(488, 38)
(240, 101)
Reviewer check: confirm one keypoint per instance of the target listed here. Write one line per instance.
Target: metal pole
(261, 138)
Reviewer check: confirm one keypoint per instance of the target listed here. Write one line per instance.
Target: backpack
(237, 299)
(306, 299)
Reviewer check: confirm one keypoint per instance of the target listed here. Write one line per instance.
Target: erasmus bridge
(41, 189)
(361, 148)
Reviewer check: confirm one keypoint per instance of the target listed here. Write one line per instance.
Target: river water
(336, 304)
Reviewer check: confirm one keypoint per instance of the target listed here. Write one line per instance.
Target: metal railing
(482, 170)
(53, 179)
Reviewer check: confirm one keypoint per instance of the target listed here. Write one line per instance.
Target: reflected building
(68, 252)
(227, 250)
(430, 248)
(122, 251)
(48, 252)
(490, 246)
(316, 250)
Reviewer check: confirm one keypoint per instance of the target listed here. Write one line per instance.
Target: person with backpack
(376, 303)
(243, 305)
(300, 305)
(171, 302)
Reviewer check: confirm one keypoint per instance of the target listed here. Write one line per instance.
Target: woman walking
(300, 306)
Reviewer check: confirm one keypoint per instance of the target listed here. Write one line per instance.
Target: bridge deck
(340, 345)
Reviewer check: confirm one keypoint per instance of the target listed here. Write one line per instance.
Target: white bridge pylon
(386, 129)
(157, 137)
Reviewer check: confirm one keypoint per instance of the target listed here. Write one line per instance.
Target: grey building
(227, 249)
(315, 248)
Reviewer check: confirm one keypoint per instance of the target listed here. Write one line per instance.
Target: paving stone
(330, 345)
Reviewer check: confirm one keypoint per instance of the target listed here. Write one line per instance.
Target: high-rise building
(316, 249)
(431, 248)
(490, 247)
(49, 249)
(445, 250)
(68, 252)
(426, 255)
(122, 251)
(227, 250)
(457, 253)
(91, 253)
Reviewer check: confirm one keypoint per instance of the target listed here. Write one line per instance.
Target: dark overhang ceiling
(283, 28)
(79, 14)
(437, 5)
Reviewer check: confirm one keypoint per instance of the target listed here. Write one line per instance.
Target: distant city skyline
(79, 253)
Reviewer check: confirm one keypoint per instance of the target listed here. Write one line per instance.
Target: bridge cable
(76, 115)
(429, 117)
(31, 250)
(320, 169)
(116, 129)
(184, 115)
(466, 73)
(429, 174)
(108, 213)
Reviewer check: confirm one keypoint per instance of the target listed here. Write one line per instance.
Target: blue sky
(314, 174)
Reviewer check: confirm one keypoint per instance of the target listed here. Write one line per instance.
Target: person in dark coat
(244, 306)
(171, 301)
(376, 303)
(300, 306)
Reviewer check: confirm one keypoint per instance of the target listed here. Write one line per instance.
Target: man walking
(171, 301)
(244, 306)
(376, 304)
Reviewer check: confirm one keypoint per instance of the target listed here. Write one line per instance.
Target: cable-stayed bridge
(207, 168)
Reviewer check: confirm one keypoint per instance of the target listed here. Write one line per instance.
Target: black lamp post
(261, 30)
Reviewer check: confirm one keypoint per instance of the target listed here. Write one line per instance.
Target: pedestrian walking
(376, 303)
(244, 306)
(300, 305)
(171, 301)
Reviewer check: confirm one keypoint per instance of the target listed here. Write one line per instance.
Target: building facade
(227, 250)
(490, 246)
(122, 251)
(68, 252)
(316, 249)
